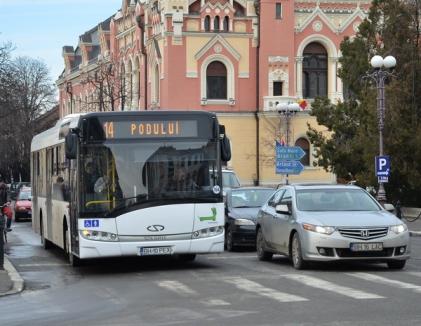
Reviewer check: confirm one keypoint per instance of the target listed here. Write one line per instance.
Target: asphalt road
(224, 289)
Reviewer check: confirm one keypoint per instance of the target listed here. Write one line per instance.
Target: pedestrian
(4, 201)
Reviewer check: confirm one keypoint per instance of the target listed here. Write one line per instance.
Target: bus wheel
(73, 260)
(46, 244)
(187, 257)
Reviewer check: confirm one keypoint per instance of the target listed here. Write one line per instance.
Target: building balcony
(270, 102)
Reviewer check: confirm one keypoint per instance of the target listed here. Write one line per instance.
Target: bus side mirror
(225, 145)
(70, 145)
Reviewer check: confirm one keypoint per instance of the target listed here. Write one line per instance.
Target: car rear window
(24, 195)
(230, 180)
(335, 199)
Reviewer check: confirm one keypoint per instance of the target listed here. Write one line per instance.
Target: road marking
(215, 302)
(42, 265)
(417, 274)
(177, 287)
(386, 281)
(332, 287)
(231, 257)
(250, 286)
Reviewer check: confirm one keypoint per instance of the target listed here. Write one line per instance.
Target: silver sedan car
(329, 223)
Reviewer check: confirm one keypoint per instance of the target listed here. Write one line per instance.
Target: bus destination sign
(150, 129)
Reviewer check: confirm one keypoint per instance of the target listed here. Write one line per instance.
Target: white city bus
(109, 184)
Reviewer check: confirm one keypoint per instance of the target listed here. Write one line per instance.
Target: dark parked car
(241, 209)
(15, 187)
(23, 204)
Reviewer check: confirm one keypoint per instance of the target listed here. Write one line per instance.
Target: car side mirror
(389, 207)
(282, 209)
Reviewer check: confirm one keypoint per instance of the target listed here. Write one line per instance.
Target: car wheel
(296, 254)
(229, 240)
(262, 254)
(73, 260)
(396, 264)
(187, 257)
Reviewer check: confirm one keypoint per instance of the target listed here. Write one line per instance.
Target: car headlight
(398, 228)
(319, 229)
(243, 221)
(98, 235)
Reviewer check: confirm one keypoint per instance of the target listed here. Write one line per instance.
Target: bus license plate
(372, 246)
(155, 251)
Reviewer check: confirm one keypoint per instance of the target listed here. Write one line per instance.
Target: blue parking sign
(383, 166)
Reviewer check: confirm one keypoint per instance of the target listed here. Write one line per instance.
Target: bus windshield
(121, 175)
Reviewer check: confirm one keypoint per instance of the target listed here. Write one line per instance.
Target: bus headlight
(98, 235)
(209, 232)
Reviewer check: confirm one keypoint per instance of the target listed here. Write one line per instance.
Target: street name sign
(382, 164)
(289, 167)
(286, 153)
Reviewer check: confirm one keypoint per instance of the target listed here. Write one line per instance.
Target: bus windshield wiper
(123, 205)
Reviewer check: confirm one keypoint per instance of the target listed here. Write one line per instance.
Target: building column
(331, 78)
(135, 89)
(299, 77)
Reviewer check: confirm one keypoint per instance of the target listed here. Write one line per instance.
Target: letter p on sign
(382, 165)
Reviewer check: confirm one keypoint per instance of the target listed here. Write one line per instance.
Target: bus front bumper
(102, 249)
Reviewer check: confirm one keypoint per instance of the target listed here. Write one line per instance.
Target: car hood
(349, 219)
(249, 213)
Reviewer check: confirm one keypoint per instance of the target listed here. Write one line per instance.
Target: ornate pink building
(238, 58)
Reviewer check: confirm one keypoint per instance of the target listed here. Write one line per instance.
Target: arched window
(216, 81)
(226, 24)
(216, 24)
(314, 71)
(305, 145)
(207, 23)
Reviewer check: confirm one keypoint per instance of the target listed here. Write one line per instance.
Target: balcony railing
(270, 102)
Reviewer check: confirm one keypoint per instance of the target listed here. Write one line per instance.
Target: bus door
(48, 202)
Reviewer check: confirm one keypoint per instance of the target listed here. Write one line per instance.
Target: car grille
(363, 234)
(347, 253)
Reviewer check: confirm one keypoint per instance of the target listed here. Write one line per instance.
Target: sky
(40, 28)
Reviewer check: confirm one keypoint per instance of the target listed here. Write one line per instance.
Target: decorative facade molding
(215, 40)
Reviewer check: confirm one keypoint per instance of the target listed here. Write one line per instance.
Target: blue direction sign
(289, 167)
(286, 153)
(383, 166)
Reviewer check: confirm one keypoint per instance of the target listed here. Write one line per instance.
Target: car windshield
(335, 199)
(229, 180)
(122, 175)
(249, 197)
(24, 195)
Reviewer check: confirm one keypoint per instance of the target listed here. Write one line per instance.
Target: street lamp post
(287, 110)
(382, 71)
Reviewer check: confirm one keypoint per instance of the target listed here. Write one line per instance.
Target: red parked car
(23, 204)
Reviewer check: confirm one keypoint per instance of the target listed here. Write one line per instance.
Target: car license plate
(155, 251)
(372, 246)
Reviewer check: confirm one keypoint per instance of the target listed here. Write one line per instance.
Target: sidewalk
(413, 227)
(10, 280)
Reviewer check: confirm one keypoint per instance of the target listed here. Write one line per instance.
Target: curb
(17, 280)
(415, 233)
